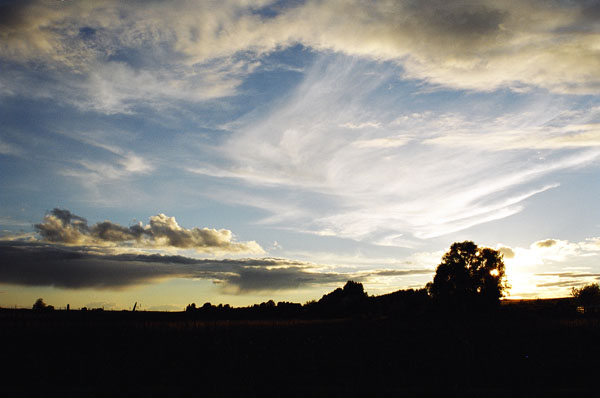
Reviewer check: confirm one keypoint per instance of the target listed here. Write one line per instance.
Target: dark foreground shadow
(518, 350)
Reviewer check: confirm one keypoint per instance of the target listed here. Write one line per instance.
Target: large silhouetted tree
(588, 296)
(469, 276)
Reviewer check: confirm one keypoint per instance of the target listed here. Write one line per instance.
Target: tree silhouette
(352, 298)
(469, 276)
(587, 296)
(39, 305)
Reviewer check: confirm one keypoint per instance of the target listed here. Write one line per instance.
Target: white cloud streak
(407, 178)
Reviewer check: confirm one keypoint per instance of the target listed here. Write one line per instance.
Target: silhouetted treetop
(39, 305)
(469, 276)
(350, 290)
(587, 296)
(352, 297)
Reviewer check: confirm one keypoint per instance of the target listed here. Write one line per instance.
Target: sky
(236, 151)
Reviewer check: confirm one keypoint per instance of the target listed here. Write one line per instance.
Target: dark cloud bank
(42, 264)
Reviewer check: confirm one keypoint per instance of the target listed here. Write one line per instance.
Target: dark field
(526, 349)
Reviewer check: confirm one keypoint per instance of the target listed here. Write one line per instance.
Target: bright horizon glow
(274, 149)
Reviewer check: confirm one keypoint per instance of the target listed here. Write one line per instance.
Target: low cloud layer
(39, 264)
(62, 226)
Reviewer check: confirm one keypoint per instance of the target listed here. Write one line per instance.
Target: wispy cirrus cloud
(403, 174)
(568, 129)
(9, 149)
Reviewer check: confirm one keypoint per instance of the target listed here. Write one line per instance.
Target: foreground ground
(524, 349)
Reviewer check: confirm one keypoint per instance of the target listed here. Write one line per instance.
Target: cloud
(559, 284)
(507, 252)
(115, 56)
(570, 274)
(566, 279)
(92, 173)
(65, 259)
(43, 265)
(396, 272)
(546, 243)
(561, 129)
(62, 226)
(353, 126)
(388, 142)
(402, 181)
(9, 149)
(103, 163)
(40, 264)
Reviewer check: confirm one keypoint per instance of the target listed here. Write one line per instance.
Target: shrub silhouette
(468, 277)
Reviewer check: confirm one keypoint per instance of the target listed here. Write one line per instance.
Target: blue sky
(238, 151)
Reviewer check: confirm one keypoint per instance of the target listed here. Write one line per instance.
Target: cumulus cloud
(40, 264)
(116, 54)
(62, 226)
